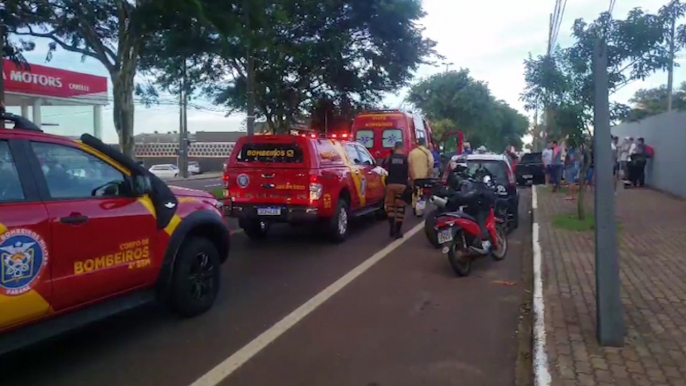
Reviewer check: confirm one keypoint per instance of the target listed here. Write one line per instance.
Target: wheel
(429, 224)
(459, 260)
(255, 230)
(501, 247)
(196, 277)
(338, 224)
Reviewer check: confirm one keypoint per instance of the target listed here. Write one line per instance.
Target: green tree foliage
(653, 101)
(562, 84)
(305, 51)
(453, 100)
(112, 32)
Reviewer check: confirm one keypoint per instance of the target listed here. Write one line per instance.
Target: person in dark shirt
(396, 184)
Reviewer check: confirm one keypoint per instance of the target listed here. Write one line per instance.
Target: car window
(289, 152)
(531, 157)
(74, 173)
(495, 168)
(10, 186)
(365, 157)
(365, 138)
(353, 155)
(390, 137)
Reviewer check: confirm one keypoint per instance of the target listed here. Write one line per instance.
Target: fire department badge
(23, 256)
(243, 180)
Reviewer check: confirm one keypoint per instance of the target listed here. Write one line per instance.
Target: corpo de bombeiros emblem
(23, 257)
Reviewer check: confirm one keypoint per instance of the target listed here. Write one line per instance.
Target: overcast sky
(490, 37)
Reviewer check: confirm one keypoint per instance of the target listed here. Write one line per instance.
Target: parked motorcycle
(473, 230)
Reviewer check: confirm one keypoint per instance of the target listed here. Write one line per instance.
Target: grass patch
(572, 223)
(218, 192)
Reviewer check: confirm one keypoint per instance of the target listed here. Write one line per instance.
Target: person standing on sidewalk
(547, 158)
(624, 157)
(421, 166)
(556, 169)
(638, 161)
(396, 184)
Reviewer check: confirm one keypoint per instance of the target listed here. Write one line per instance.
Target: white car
(193, 167)
(165, 170)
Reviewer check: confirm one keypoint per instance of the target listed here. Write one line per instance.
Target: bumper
(286, 213)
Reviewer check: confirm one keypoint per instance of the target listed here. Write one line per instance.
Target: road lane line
(240, 357)
(540, 360)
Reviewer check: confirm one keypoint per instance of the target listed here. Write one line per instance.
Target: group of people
(403, 170)
(628, 159)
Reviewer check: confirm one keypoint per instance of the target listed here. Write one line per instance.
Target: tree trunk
(123, 87)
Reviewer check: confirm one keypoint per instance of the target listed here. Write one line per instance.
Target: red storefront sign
(52, 82)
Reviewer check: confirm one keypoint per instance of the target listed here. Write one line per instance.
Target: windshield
(270, 152)
(390, 137)
(531, 158)
(365, 138)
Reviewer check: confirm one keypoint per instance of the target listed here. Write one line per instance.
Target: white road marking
(240, 357)
(540, 360)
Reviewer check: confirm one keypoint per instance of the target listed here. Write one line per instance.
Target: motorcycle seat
(461, 215)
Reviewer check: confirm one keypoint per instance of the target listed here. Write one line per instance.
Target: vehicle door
(103, 236)
(25, 242)
(375, 189)
(358, 176)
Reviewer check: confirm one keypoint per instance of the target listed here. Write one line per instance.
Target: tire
(461, 266)
(338, 224)
(196, 277)
(255, 230)
(429, 230)
(501, 252)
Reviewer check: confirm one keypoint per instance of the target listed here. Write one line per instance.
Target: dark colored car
(500, 168)
(530, 170)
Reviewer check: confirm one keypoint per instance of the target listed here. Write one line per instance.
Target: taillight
(225, 179)
(316, 188)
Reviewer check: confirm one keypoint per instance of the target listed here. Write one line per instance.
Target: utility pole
(609, 310)
(250, 76)
(670, 71)
(183, 125)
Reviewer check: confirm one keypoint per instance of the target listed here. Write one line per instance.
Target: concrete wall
(666, 133)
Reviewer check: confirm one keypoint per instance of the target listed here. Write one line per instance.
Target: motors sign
(44, 81)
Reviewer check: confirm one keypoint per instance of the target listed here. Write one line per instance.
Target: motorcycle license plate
(445, 236)
(528, 176)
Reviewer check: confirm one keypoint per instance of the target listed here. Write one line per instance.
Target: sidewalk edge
(209, 176)
(540, 360)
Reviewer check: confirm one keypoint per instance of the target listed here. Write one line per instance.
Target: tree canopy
(454, 100)
(347, 53)
(561, 85)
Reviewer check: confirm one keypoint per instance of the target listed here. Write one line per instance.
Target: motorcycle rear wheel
(459, 259)
(501, 238)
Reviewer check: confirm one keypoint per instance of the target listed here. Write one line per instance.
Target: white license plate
(445, 236)
(528, 176)
(268, 211)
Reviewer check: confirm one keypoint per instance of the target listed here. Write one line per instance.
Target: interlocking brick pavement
(652, 249)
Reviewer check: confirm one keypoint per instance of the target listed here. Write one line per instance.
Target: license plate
(528, 176)
(445, 236)
(268, 211)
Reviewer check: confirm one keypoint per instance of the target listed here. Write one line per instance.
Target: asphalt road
(199, 183)
(407, 320)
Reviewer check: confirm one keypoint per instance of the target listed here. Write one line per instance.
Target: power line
(561, 15)
(612, 6)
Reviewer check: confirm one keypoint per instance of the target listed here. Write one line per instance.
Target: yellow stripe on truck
(21, 308)
(357, 178)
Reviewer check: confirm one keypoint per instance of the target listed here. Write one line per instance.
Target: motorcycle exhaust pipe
(438, 201)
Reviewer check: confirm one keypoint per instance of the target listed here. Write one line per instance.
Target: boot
(391, 223)
(398, 231)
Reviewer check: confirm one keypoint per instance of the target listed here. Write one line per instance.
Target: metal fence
(195, 150)
(666, 133)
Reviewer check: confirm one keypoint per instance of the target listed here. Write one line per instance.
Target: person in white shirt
(624, 157)
(547, 158)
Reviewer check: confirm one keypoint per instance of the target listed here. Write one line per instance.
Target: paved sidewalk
(204, 176)
(652, 244)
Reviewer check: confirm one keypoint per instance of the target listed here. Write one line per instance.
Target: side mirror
(142, 185)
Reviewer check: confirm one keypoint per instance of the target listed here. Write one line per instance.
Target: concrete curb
(540, 359)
